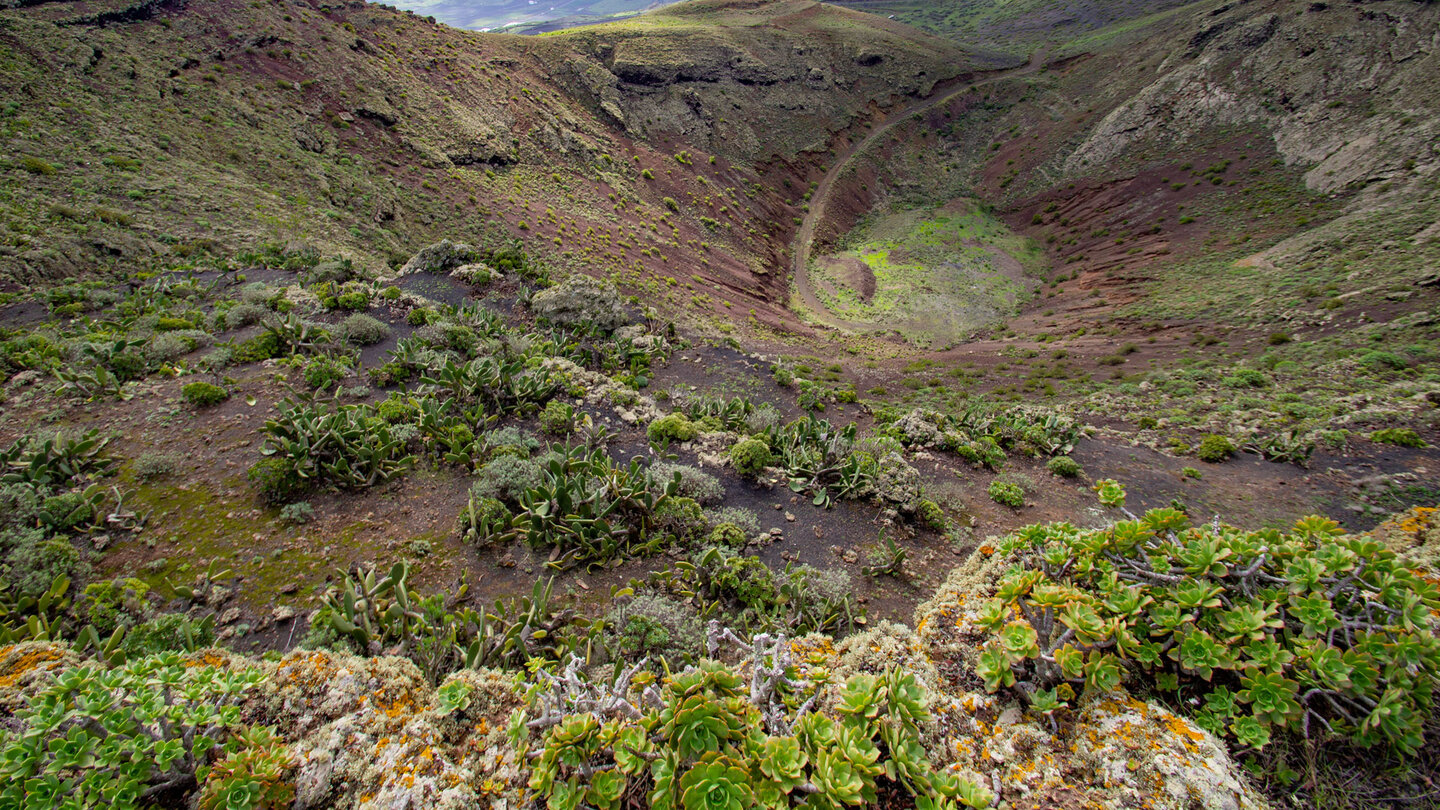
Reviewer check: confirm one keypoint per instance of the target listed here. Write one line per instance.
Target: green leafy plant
(98, 737)
(750, 457)
(1309, 630)
(1007, 494)
(704, 741)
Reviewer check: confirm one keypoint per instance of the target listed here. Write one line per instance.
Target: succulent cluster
(983, 433)
(705, 739)
(119, 737)
(1266, 631)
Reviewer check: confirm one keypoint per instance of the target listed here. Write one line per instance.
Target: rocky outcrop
(441, 257)
(1315, 76)
(581, 301)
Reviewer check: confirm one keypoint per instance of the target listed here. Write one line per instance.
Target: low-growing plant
(363, 330)
(750, 457)
(119, 737)
(671, 427)
(1215, 448)
(1308, 631)
(701, 487)
(1064, 466)
(203, 394)
(707, 741)
(1007, 494)
(1400, 437)
(298, 513)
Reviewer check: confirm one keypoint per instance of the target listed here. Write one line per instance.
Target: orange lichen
(27, 662)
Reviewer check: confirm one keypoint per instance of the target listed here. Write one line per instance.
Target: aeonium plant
(1300, 630)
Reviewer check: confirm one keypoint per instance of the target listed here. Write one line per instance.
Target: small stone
(850, 557)
(230, 616)
(283, 613)
(290, 587)
(790, 517)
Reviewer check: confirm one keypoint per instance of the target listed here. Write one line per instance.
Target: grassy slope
(367, 132)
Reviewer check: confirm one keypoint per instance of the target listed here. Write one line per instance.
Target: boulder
(581, 301)
(441, 257)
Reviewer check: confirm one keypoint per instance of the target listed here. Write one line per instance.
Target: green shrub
(325, 371)
(557, 418)
(681, 517)
(1401, 437)
(150, 466)
(1383, 360)
(204, 394)
(750, 457)
(422, 316)
(127, 365)
(672, 427)
(35, 561)
(929, 514)
(727, 535)
(275, 480)
(704, 488)
(164, 324)
(263, 346)
(1247, 378)
(35, 165)
(168, 632)
(1007, 494)
(1215, 448)
(66, 511)
(1064, 466)
(353, 301)
(115, 603)
(507, 478)
(1260, 632)
(363, 330)
(1190, 473)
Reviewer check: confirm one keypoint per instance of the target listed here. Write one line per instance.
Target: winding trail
(805, 236)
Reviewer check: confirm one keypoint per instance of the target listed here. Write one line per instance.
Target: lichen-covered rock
(476, 273)
(441, 257)
(1414, 535)
(1143, 752)
(581, 301)
(597, 389)
(29, 666)
(898, 482)
(310, 688)
(920, 428)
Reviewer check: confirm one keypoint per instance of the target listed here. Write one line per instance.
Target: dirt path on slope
(805, 236)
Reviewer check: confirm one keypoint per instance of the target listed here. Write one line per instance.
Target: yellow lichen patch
(25, 662)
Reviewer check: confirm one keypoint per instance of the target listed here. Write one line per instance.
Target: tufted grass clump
(1306, 632)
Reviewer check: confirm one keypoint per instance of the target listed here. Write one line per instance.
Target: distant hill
(527, 16)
